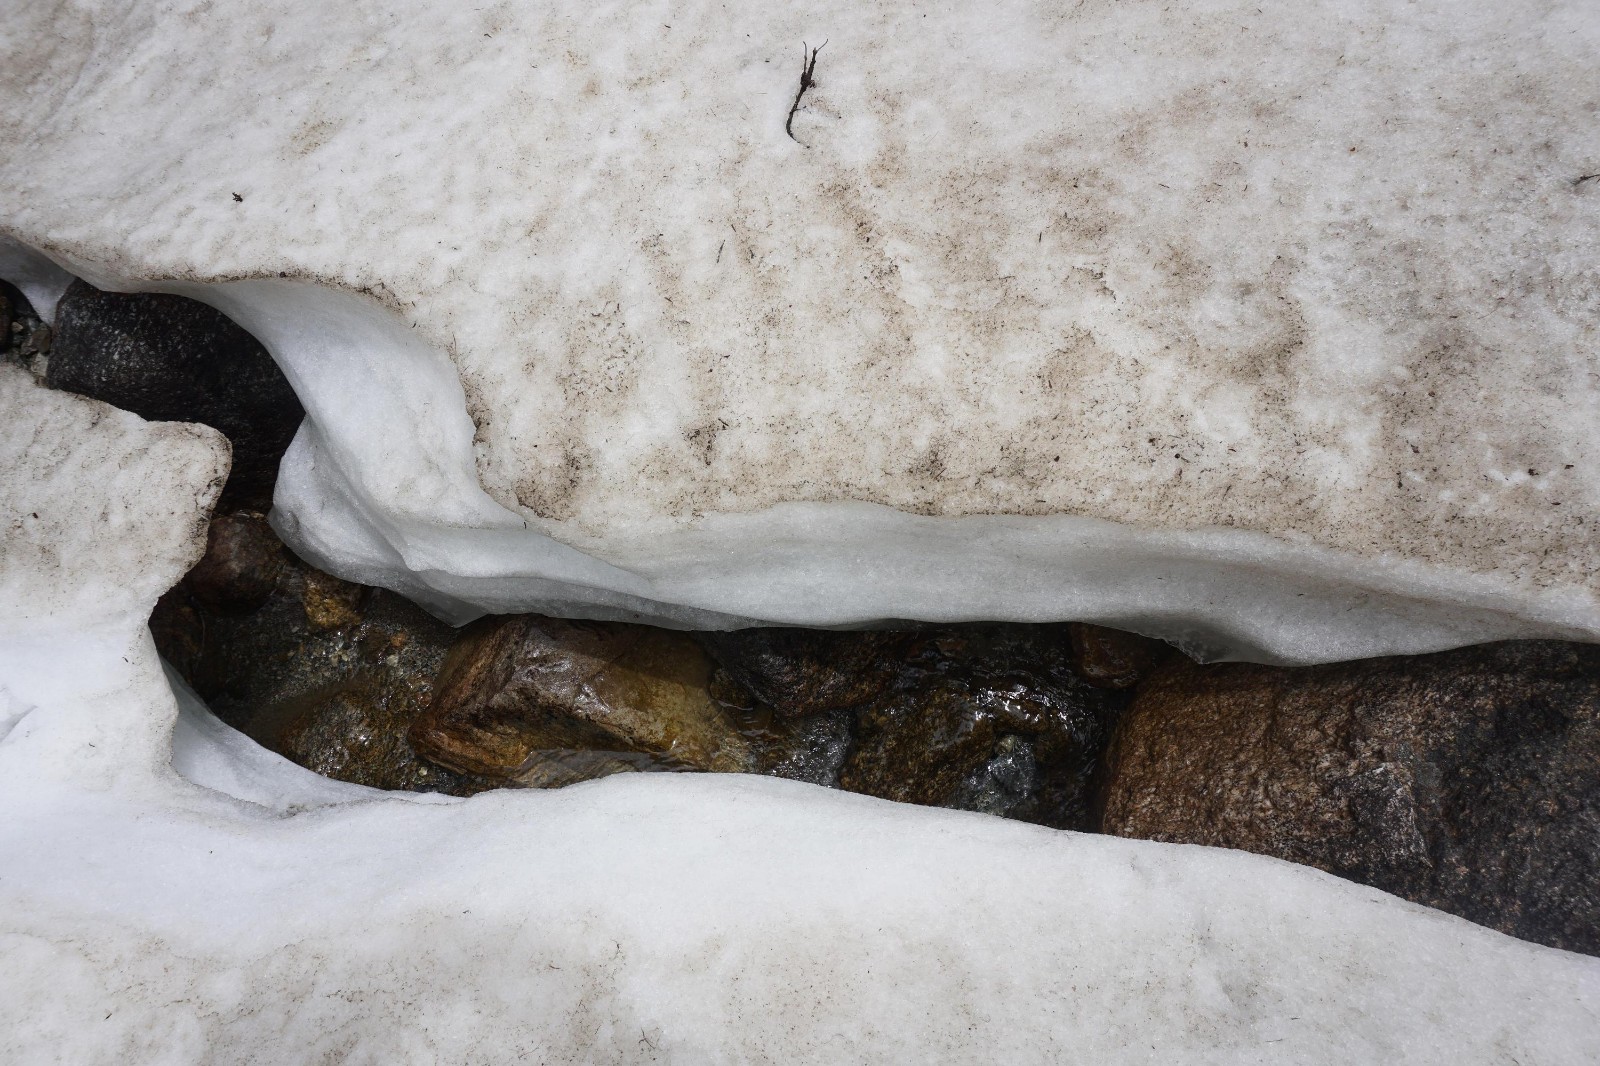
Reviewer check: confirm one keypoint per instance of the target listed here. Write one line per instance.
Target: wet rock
(241, 565)
(559, 768)
(1113, 658)
(806, 671)
(516, 687)
(179, 631)
(812, 748)
(357, 732)
(988, 718)
(167, 358)
(329, 674)
(1467, 781)
(1006, 784)
(329, 602)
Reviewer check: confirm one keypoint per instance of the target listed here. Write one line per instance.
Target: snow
(170, 893)
(1212, 320)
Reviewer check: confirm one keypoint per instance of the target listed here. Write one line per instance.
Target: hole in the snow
(171, 359)
(1466, 780)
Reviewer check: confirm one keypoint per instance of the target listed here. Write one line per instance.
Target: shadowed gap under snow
(644, 918)
(380, 486)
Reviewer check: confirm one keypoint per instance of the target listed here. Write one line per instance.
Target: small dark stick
(808, 67)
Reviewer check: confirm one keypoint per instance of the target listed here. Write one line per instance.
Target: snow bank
(225, 906)
(1209, 320)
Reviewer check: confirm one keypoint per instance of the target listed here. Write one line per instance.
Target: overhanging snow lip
(1219, 593)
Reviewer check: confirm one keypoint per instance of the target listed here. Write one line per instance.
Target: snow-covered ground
(1268, 328)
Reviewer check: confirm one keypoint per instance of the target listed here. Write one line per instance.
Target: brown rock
(355, 732)
(515, 687)
(330, 603)
(331, 675)
(986, 718)
(809, 671)
(1112, 658)
(558, 769)
(179, 632)
(241, 565)
(1467, 781)
(920, 745)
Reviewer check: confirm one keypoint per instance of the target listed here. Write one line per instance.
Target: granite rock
(1467, 781)
(804, 671)
(328, 673)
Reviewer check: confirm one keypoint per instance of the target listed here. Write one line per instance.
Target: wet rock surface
(1112, 658)
(328, 673)
(167, 358)
(804, 671)
(1468, 781)
(987, 718)
(515, 687)
(360, 685)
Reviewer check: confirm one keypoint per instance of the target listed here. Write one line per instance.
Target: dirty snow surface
(170, 893)
(1270, 328)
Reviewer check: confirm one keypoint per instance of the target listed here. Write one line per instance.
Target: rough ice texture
(1310, 285)
(171, 893)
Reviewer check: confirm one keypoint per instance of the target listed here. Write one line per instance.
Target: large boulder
(1468, 781)
(1207, 319)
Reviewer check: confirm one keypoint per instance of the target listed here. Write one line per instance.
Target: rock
(330, 602)
(326, 672)
(811, 749)
(168, 358)
(516, 687)
(558, 769)
(1112, 658)
(179, 632)
(805, 671)
(1467, 781)
(919, 745)
(241, 565)
(988, 718)
(357, 733)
